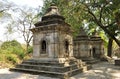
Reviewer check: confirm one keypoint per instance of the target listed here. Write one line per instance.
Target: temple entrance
(66, 48)
(43, 47)
(94, 52)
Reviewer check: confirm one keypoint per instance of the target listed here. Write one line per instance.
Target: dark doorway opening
(43, 47)
(67, 48)
(94, 52)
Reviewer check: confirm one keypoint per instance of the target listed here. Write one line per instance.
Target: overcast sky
(29, 3)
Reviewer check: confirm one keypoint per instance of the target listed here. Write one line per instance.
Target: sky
(29, 3)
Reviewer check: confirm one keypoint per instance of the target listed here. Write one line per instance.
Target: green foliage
(13, 47)
(30, 50)
(11, 52)
(69, 9)
(99, 17)
(10, 44)
(12, 58)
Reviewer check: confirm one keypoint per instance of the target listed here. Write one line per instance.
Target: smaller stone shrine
(87, 47)
(52, 48)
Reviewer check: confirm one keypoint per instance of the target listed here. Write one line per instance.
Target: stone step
(37, 72)
(71, 61)
(36, 62)
(117, 62)
(48, 68)
(87, 67)
(43, 63)
(52, 69)
(90, 60)
(64, 75)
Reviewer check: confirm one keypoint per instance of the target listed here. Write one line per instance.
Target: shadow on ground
(102, 70)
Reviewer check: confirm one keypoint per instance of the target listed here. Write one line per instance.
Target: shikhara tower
(52, 37)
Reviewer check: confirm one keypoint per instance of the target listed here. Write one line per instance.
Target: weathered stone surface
(85, 46)
(52, 68)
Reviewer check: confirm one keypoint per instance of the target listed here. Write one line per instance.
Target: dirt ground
(102, 70)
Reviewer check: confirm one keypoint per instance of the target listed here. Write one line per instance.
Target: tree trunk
(27, 46)
(104, 28)
(111, 35)
(109, 50)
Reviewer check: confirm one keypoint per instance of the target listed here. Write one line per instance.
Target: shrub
(10, 43)
(30, 49)
(12, 58)
(21, 55)
(13, 47)
(19, 52)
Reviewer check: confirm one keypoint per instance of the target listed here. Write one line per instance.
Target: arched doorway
(43, 47)
(66, 48)
(94, 52)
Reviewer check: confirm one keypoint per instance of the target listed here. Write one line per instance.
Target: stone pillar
(36, 51)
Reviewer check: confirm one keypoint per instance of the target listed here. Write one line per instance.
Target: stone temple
(52, 39)
(54, 49)
(88, 48)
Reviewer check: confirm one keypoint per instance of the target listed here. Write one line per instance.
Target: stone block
(117, 62)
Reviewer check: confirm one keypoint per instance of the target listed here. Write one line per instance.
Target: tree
(104, 17)
(5, 7)
(21, 20)
(69, 10)
(98, 12)
(11, 52)
(6, 21)
(25, 21)
(102, 13)
(9, 31)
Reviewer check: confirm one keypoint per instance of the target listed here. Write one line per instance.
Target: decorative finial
(53, 4)
(53, 10)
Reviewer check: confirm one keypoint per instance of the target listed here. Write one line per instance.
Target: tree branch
(110, 24)
(101, 11)
(101, 25)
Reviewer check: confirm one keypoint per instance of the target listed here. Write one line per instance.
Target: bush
(12, 58)
(11, 44)
(1, 58)
(21, 55)
(19, 52)
(30, 49)
(12, 52)
(13, 47)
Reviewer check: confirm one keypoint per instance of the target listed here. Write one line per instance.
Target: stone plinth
(117, 62)
(52, 68)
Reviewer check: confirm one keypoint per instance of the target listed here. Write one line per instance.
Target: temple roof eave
(62, 27)
(48, 22)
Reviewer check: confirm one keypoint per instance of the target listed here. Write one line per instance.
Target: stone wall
(87, 47)
(55, 44)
